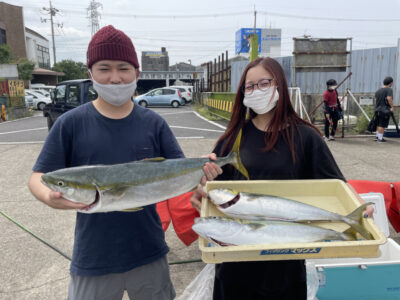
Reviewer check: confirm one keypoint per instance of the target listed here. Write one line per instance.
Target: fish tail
(234, 154)
(349, 235)
(355, 218)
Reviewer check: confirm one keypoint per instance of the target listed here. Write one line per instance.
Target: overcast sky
(200, 30)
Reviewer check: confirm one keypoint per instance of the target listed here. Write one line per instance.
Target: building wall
(155, 60)
(368, 66)
(12, 22)
(38, 50)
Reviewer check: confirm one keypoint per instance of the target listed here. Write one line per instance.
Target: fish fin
(255, 225)
(133, 209)
(355, 219)
(350, 234)
(154, 159)
(235, 153)
(118, 192)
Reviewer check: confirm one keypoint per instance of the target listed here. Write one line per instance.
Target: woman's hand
(211, 171)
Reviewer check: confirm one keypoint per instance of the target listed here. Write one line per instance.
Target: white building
(37, 48)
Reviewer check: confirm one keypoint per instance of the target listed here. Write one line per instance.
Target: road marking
(16, 120)
(214, 123)
(19, 143)
(200, 129)
(176, 113)
(25, 130)
(189, 137)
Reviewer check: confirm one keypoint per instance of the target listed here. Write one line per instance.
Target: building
(12, 30)
(182, 66)
(155, 60)
(37, 48)
(26, 43)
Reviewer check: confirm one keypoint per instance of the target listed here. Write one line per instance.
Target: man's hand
(56, 200)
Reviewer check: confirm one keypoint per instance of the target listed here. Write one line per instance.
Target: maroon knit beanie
(111, 44)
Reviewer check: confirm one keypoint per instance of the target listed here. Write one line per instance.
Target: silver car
(161, 97)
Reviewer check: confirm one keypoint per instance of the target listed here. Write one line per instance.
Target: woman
(276, 144)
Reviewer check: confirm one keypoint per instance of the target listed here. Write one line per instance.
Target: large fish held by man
(266, 207)
(132, 185)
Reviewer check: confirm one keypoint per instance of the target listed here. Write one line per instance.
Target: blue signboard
(242, 41)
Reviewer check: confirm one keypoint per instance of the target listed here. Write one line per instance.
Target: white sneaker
(326, 139)
(331, 138)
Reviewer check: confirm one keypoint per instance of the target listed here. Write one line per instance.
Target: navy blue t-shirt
(112, 242)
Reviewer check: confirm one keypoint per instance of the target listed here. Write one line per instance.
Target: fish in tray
(129, 186)
(267, 207)
(227, 231)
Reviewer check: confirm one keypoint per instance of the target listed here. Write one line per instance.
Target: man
(331, 109)
(383, 108)
(113, 251)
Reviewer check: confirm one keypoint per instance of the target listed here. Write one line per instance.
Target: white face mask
(115, 94)
(261, 101)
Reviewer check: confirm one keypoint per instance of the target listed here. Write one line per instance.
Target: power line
(326, 18)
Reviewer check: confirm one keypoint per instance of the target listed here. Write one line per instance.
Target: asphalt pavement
(30, 269)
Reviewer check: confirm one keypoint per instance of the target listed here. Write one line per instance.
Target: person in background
(331, 110)
(383, 108)
(114, 251)
(276, 144)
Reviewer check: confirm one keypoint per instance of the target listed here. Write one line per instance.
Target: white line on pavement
(17, 131)
(16, 120)
(176, 113)
(192, 128)
(214, 123)
(19, 143)
(189, 137)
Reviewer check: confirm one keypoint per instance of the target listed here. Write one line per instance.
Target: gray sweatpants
(148, 282)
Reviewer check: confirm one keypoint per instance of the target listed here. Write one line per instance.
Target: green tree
(5, 54)
(25, 68)
(71, 69)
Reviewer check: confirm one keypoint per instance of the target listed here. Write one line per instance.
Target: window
(3, 39)
(60, 93)
(74, 95)
(157, 93)
(43, 56)
(92, 94)
(168, 92)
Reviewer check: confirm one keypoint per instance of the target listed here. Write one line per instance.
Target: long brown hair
(284, 120)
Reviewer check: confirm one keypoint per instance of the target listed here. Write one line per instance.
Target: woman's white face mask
(262, 101)
(115, 94)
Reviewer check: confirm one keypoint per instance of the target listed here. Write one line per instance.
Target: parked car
(39, 101)
(42, 86)
(43, 92)
(28, 101)
(161, 97)
(66, 96)
(186, 91)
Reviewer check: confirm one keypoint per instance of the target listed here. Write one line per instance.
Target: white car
(39, 101)
(43, 92)
(186, 91)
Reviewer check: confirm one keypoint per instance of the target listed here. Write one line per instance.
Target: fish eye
(60, 183)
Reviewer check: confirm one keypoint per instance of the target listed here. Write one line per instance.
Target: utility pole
(94, 15)
(52, 12)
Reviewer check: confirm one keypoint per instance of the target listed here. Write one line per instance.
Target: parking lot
(30, 269)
